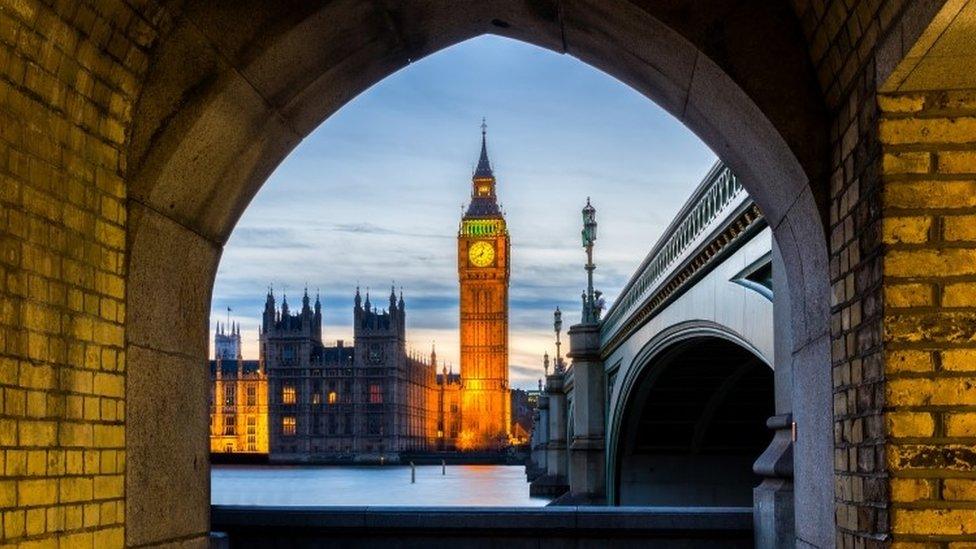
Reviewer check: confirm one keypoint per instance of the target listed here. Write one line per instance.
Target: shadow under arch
(232, 88)
(666, 443)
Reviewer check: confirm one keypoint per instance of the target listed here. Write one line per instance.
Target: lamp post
(557, 325)
(591, 313)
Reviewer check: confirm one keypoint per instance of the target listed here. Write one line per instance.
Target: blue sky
(373, 196)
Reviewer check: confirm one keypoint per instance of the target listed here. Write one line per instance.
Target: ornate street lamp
(557, 325)
(591, 309)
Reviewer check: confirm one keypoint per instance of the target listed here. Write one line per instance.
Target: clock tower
(483, 274)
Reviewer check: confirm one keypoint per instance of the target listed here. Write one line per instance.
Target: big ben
(484, 253)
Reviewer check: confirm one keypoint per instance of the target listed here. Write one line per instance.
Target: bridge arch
(726, 366)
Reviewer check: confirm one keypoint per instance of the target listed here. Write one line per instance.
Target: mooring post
(443, 467)
(413, 473)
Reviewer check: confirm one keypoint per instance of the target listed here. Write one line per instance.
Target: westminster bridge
(680, 395)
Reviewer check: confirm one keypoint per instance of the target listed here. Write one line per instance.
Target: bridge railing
(718, 194)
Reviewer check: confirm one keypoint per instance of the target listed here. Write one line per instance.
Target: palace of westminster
(374, 400)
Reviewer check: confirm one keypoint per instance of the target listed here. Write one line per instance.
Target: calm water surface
(464, 485)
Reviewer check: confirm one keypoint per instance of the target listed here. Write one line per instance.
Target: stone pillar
(540, 436)
(772, 500)
(556, 455)
(773, 507)
(551, 480)
(587, 449)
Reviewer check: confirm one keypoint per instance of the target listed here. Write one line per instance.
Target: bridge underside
(694, 425)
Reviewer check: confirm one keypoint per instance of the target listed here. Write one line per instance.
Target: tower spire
(484, 166)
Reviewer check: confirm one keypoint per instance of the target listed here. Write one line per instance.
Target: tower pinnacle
(484, 166)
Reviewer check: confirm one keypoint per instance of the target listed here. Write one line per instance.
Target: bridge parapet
(717, 213)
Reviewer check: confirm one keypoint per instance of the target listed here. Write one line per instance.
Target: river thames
(462, 485)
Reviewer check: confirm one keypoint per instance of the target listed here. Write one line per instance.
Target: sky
(373, 196)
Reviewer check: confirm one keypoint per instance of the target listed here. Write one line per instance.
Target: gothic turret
(268, 318)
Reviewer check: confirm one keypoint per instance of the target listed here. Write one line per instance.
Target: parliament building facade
(373, 400)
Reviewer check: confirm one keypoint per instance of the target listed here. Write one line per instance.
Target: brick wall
(929, 232)
(883, 325)
(69, 77)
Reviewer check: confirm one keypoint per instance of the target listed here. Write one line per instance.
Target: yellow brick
(36, 404)
(37, 433)
(957, 162)
(934, 521)
(927, 262)
(959, 227)
(108, 461)
(959, 360)
(911, 131)
(109, 385)
(910, 489)
(907, 230)
(8, 493)
(8, 432)
(35, 521)
(74, 462)
(961, 425)
(75, 435)
(910, 424)
(36, 462)
(906, 162)
(36, 377)
(109, 436)
(110, 234)
(75, 489)
(936, 392)
(37, 492)
(901, 103)
(15, 463)
(15, 402)
(962, 294)
(963, 489)
(92, 411)
(91, 515)
(73, 516)
(91, 462)
(930, 194)
(908, 361)
(109, 486)
(907, 295)
(13, 524)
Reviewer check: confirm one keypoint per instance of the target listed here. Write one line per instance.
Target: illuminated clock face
(481, 253)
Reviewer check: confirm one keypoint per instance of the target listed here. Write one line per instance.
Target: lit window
(252, 395)
(375, 394)
(287, 394)
(333, 397)
(229, 423)
(316, 399)
(288, 425)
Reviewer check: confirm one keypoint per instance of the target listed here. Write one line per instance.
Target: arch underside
(692, 424)
(234, 87)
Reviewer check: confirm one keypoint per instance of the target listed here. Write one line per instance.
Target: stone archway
(207, 133)
(135, 133)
